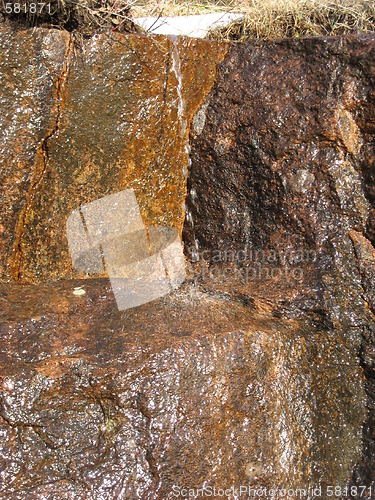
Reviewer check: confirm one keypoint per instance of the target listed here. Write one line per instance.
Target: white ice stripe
(194, 26)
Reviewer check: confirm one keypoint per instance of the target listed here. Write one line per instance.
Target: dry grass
(265, 19)
(86, 16)
(270, 19)
(143, 8)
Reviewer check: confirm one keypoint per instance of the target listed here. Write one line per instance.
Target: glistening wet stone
(252, 375)
(85, 119)
(282, 174)
(196, 388)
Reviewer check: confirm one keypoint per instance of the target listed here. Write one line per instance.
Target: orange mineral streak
(89, 120)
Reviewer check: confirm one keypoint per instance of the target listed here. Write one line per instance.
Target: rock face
(282, 174)
(81, 120)
(288, 138)
(247, 374)
(197, 388)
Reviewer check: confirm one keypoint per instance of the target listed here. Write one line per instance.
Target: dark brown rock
(365, 252)
(286, 128)
(196, 388)
(282, 164)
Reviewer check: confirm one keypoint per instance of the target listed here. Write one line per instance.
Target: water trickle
(176, 67)
(189, 217)
(190, 220)
(196, 250)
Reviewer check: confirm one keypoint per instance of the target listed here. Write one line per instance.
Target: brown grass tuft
(86, 16)
(264, 19)
(271, 19)
(143, 8)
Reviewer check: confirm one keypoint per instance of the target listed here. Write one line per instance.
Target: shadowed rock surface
(282, 170)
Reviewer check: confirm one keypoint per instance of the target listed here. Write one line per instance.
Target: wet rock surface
(282, 174)
(196, 388)
(87, 118)
(259, 370)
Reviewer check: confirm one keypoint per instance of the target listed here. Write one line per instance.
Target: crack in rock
(42, 160)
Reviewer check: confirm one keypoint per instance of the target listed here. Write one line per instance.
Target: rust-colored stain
(113, 114)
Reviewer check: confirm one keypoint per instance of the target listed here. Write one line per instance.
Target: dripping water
(189, 218)
(189, 215)
(176, 67)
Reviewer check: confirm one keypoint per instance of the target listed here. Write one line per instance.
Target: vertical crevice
(40, 169)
